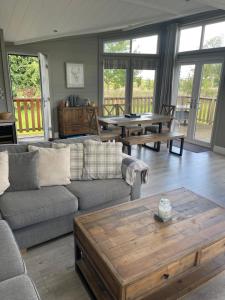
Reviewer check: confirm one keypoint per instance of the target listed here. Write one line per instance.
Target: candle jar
(165, 209)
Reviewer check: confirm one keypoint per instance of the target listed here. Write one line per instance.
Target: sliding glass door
(196, 89)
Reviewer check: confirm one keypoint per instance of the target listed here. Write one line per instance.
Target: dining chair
(95, 128)
(167, 110)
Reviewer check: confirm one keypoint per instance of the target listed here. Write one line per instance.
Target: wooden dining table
(144, 120)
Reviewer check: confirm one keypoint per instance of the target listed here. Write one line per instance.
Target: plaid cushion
(76, 159)
(102, 160)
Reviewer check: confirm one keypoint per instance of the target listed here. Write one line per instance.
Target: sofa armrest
(11, 262)
(136, 186)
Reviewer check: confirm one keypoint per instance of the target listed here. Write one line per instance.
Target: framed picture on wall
(74, 75)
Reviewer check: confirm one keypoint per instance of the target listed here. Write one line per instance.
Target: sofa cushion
(53, 165)
(23, 171)
(11, 262)
(19, 148)
(26, 208)
(18, 288)
(14, 148)
(102, 160)
(96, 192)
(4, 171)
(106, 205)
(76, 158)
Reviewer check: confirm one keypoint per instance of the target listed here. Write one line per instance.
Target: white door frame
(199, 63)
(45, 90)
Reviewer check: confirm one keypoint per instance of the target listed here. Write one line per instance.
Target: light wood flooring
(51, 265)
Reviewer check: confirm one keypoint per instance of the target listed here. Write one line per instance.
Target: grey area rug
(191, 147)
(51, 266)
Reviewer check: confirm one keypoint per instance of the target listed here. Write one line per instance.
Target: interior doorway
(196, 92)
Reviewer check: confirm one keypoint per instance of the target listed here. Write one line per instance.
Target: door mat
(191, 147)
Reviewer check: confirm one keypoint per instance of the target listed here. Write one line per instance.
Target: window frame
(203, 24)
(130, 38)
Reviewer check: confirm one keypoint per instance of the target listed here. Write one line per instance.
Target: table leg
(156, 145)
(123, 131)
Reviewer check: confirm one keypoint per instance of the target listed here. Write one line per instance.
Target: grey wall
(81, 50)
(219, 139)
(220, 130)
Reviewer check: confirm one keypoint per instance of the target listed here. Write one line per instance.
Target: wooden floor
(52, 265)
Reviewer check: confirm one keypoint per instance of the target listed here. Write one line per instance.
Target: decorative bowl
(5, 115)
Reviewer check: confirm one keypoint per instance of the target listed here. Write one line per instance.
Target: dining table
(145, 119)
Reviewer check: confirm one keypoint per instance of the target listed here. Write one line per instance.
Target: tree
(25, 76)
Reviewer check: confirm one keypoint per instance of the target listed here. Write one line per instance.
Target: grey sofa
(15, 284)
(37, 216)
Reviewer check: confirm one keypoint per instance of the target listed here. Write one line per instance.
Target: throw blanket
(131, 166)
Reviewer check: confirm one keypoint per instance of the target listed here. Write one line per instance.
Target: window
(122, 46)
(142, 45)
(114, 91)
(190, 39)
(206, 36)
(145, 45)
(214, 36)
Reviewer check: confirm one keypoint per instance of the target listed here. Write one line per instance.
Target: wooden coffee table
(124, 253)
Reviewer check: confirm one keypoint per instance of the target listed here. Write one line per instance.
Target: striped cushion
(76, 159)
(102, 160)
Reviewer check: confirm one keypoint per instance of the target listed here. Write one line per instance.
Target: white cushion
(4, 171)
(76, 159)
(102, 160)
(53, 166)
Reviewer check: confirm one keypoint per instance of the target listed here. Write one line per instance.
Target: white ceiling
(34, 20)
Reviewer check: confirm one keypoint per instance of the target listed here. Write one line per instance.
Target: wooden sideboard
(72, 121)
(7, 132)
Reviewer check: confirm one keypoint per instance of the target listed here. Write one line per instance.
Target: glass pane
(214, 35)
(122, 46)
(143, 91)
(145, 45)
(190, 39)
(114, 92)
(207, 102)
(185, 86)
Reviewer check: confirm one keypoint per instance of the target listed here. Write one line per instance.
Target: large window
(143, 91)
(202, 37)
(142, 45)
(114, 91)
(122, 46)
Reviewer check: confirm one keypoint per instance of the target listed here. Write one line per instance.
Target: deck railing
(114, 106)
(28, 115)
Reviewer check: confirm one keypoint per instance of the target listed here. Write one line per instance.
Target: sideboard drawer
(212, 251)
(161, 277)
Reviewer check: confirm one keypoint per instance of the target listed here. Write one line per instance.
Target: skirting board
(219, 150)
